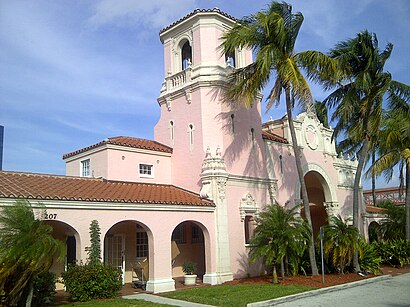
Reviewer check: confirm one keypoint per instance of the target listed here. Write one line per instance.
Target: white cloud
(150, 14)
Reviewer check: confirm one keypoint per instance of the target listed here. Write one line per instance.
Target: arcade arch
(190, 242)
(68, 234)
(322, 196)
(125, 244)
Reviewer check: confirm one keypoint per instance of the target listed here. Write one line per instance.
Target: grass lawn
(115, 303)
(235, 295)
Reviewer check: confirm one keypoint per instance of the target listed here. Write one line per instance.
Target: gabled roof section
(197, 11)
(126, 142)
(273, 137)
(64, 188)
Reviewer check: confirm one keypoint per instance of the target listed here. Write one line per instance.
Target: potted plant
(189, 268)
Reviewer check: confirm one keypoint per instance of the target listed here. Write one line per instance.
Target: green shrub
(85, 282)
(394, 252)
(369, 259)
(44, 289)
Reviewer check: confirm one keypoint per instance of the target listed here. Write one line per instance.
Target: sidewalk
(163, 300)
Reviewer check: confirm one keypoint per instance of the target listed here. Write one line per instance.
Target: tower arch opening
(186, 54)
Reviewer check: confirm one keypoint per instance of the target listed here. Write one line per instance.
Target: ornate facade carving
(247, 206)
(273, 188)
(221, 185)
(332, 208)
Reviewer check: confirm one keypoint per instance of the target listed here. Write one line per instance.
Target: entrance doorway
(316, 194)
(115, 249)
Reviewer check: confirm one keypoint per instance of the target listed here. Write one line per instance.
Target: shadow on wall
(285, 169)
(241, 139)
(248, 270)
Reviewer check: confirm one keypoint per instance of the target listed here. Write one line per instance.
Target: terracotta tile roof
(54, 187)
(373, 209)
(194, 13)
(273, 137)
(127, 142)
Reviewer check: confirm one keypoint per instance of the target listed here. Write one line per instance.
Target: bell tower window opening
(186, 55)
(230, 59)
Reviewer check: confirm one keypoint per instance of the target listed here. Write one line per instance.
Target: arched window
(186, 53)
(191, 136)
(171, 131)
(249, 225)
(252, 135)
(281, 163)
(230, 59)
(233, 123)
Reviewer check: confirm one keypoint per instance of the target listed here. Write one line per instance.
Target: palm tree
(279, 233)
(27, 250)
(393, 226)
(358, 99)
(341, 242)
(322, 113)
(272, 34)
(394, 149)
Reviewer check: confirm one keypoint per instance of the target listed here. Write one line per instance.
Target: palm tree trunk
(275, 275)
(30, 294)
(305, 199)
(407, 203)
(356, 190)
(373, 179)
(282, 268)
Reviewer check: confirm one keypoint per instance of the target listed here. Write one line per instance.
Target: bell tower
(193, 116)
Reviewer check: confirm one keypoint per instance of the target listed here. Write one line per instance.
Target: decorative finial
(218, 151)
(208, 152)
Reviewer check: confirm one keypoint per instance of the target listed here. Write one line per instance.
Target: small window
(281, 164)
(191, 136)
(233, 123)
(85, 168)
(142, 242)
(146, 170)
(249, 228)
(171, 130)
(178, 235)
(252, 135)
(197, 236)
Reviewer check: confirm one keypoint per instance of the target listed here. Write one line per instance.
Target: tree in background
(358, 99)
(272, 35)
(27, 250)
(94, 253)
(279, 233)
(394, 150)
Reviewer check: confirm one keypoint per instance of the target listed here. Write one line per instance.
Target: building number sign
(50, 216)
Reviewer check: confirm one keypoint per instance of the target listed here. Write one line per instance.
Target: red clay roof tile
(267, 135)
(373, 209)
(127, 142)
(41, 186)
(194, 13)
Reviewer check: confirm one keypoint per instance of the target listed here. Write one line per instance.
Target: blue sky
(73, 72)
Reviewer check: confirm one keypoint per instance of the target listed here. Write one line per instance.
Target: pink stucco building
(211, 168)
